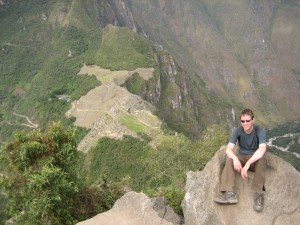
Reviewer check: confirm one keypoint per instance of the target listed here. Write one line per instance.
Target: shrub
(42, 182)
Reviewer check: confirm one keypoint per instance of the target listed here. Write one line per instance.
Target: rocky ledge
(282, 197)
(282, 200)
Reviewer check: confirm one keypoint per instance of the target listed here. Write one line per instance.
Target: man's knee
(261, 164)
(229, 162)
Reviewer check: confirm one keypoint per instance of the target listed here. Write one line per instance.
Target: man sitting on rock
(252, 148)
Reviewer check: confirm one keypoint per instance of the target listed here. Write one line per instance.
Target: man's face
(247, 123)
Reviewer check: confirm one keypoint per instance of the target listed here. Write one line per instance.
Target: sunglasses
(243, 121)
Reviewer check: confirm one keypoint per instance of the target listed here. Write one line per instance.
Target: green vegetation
(123, 49)
(44, 174)
(287, 156)
(263, 93)
(295, 147)
(133, 124)
(292, 141)
(135, 84)
(174, 197)
(155, 171)
(286, 128)
(282, 141)
(44, 48)
(35, 66)
(41, 179)
(3, 205)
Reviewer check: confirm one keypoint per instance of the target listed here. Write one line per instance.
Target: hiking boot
(228, 198)
(259, 202)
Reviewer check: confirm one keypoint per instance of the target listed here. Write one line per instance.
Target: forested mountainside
(246, 52)
(211, 58)
(138, 80)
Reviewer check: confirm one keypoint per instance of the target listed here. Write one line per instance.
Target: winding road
(286, 149)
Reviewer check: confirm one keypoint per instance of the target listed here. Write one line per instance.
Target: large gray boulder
(135, 209)
(282, 197)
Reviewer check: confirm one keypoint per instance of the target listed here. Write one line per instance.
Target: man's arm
(258, 154)
(230, 154)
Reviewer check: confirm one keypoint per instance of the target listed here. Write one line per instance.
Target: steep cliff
(213, 58)
(239, 49)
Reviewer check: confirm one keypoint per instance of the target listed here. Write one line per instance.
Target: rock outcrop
(282, 197)
(135, 209)
(282, 200)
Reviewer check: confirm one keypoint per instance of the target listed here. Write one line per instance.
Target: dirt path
(29, 124)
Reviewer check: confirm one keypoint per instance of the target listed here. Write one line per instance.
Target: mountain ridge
(256, 76)
(208, 60)
(212, 65)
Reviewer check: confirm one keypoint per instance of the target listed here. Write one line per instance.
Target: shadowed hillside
(238, 48)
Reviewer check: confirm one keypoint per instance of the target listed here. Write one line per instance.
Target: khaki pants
(228, 174)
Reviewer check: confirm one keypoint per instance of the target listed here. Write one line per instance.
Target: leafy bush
(40, 178)
(42, 182)
(3, 208)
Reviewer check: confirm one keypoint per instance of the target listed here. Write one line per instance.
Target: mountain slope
(50, 41)
(204, 65)
(235, 47)
(221, 57)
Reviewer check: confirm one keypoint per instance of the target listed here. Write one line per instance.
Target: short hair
(248, 112)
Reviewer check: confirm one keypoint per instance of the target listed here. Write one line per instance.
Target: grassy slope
(35, 65)
(41, 57)
(148, 167)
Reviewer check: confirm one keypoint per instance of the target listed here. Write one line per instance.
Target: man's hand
(237, 165)
(244, 171)
(258, 154)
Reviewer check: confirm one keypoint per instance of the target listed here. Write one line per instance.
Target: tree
(41, 178)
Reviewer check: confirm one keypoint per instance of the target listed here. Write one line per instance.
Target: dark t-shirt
(248, 143)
